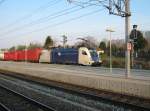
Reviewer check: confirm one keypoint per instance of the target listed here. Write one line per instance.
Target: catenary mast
(118, 8)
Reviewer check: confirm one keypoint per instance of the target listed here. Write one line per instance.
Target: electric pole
(122, 8)
(127, 37)
(118, 8)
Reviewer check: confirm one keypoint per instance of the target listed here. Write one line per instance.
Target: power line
(50, 3)
(2, 1)
(53, 16)
(38, 20)
(60, 23)
(90, 2)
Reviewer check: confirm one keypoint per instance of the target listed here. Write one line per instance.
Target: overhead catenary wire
(2, 1)
(90, 2)
(86, 3)
(45, 19)
(52, 15)
(56, 24)
(50, 3)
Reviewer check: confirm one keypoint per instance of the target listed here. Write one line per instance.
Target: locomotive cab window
(84, 53)
(93, 53)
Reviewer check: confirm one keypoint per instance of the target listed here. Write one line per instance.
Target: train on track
(82, 56)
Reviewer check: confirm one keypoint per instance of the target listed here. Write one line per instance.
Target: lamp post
(110, 52)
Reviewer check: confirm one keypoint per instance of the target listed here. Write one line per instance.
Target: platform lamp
(110, 52)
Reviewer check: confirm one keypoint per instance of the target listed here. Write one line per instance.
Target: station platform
(60, 73)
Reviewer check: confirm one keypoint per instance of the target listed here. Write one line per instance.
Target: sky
(25, 21)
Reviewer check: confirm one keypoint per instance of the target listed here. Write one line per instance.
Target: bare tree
(89, 42)
(33, 45)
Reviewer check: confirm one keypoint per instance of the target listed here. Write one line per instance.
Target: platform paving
(136, 85)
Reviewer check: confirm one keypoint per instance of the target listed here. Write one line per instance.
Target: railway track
(39, 105)
(83, 92)
(4, 108)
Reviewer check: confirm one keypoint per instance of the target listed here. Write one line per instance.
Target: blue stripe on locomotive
(64, 55)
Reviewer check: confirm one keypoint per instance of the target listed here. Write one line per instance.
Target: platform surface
(93, 77)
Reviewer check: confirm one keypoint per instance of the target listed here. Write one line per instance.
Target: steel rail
(32, 101)
(4, 108)
(90, 93)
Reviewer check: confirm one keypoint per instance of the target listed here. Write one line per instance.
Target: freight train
(82, 56)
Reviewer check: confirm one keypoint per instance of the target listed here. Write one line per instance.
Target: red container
(33, 55)
(20, 55)
(10, 56)
(6, 56)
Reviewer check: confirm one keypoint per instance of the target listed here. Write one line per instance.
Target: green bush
(117, 62)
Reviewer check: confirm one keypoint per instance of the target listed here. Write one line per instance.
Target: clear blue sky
(15, 14)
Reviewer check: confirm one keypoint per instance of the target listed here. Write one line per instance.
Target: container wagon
(33, 55)
(21, 55)
(10, 56)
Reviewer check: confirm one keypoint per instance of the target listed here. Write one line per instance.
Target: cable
(37, 21)
(90, 2)
(31, 14)
(54, 15)
(60, 23)
(2, 1)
